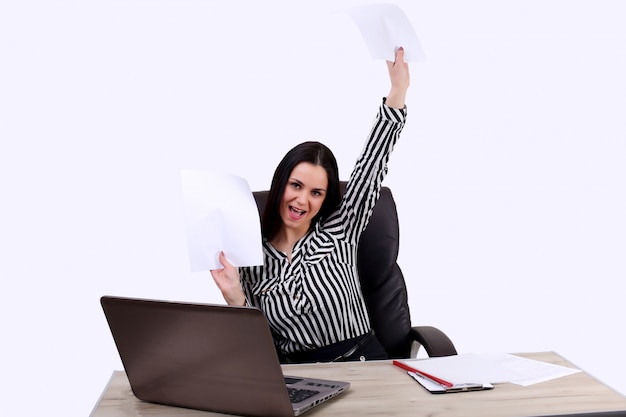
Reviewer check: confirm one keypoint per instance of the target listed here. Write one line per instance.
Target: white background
(509, 177)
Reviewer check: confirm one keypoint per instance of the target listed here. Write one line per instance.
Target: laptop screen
(201, 356)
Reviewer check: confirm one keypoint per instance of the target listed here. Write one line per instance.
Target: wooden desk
(379, 388)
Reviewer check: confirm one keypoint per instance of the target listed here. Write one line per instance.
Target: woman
(308, 286)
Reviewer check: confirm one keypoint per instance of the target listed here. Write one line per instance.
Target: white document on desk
(463, 368)
(491, 368)
(530, 371)
(220, 215)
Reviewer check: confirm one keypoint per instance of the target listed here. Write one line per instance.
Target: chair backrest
(382, 281)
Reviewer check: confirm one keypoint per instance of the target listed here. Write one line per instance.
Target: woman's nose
(301, 197)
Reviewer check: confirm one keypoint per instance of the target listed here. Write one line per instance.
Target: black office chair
(384, 288)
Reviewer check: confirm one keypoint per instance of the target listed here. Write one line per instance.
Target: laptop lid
(206, 357)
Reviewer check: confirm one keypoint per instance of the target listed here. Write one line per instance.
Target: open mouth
(296, 213)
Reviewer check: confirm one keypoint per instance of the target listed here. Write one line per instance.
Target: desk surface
(379, 388)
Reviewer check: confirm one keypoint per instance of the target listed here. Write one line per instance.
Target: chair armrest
(436, 342)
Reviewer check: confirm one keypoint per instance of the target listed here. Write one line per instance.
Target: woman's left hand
(400, 80)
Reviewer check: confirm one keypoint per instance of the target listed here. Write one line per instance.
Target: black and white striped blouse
(316, 299)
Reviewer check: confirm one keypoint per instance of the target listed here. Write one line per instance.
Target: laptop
(208, 357)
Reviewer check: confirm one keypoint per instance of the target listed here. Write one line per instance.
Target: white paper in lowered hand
(384, 28)
(220, 215)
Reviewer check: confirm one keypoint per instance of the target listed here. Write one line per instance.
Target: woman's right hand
(227, 280)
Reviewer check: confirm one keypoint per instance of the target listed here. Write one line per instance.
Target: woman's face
(304, 194)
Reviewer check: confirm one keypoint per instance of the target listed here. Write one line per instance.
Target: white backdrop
(509, 177)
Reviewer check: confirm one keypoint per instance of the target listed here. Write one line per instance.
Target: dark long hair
(315, 153)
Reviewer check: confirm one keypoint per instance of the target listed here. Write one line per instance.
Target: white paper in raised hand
(220, 215)
(384, 28)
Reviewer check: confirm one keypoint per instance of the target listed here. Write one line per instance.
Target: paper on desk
(220, 215)
(490, 368)
(464, 368)
(531, 371)
(384, 28)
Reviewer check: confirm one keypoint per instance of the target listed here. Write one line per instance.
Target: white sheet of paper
(464, 368)
(220, 215)
(384, 28)
(490, 367)
(531, 371)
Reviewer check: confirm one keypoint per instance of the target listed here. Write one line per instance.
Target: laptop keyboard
(297, 395)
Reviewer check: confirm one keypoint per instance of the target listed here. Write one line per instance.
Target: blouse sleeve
(363, 188)
(248, 276)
